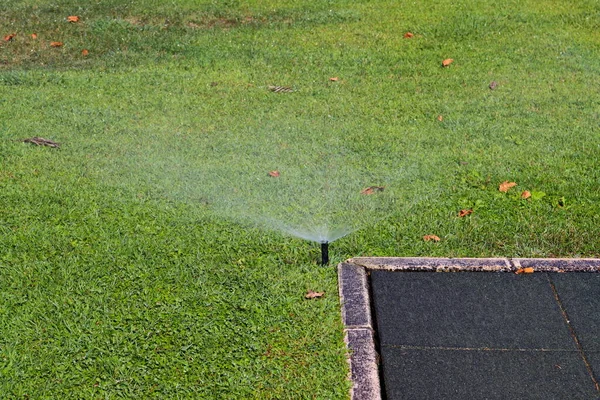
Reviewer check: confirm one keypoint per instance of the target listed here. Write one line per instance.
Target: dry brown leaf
(447, 62)
(73, 18)
(85, 52)
(40, 141)
(526, 194)
(334, 79)
(435, 238)
(506, 185)
(464, 213)
(372, 189)
(440, 118)
(408, 35)
(274, 174)
(493, 85)
(10, 37)
(56, 44)
(367, 191)
(526, 270)
(280, 89)
(34, 36)
(313, 295)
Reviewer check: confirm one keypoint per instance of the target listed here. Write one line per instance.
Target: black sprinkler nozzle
(324, 253)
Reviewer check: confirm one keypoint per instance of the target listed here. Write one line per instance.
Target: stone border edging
(359, 333)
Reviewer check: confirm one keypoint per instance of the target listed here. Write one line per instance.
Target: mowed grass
(121, 278)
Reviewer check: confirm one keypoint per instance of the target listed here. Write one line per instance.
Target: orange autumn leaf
(10, 37)
(34, 36)
(440, 118)
(73, 18)
(435, 238)
(505, 186)
(367, 191)
(274, 174)
(372, 189)
(408, 35)
(447, 62)
(526, 194)
(313, 295)
(334, 79)
(464, 213)
(526, 270)
(56, 44)
(85, 52)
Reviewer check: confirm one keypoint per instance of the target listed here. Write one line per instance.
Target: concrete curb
(433, 264)
(358, 332)
(356, 304)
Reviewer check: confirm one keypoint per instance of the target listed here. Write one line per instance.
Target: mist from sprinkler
(318, 193)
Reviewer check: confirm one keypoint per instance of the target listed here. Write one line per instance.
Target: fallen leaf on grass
(408, 35)
(34, 36)
(274, 174)
(435, 238)
(73, 18)
(85, 52)
(10, 37)
(505, 186)
(464, 213)
(526, 270)
(447, 62)
(313, 295)
(334, 79)
(280, 89)
(40, 141)
(493, 85)
(56, 44)
(372, 189)
(440, 118)
(526, 194)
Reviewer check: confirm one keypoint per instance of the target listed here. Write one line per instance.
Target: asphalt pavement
(473, 333)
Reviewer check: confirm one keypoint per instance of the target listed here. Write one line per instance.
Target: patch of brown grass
(225, 23)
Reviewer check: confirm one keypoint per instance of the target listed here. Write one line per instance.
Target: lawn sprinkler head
(324, 253)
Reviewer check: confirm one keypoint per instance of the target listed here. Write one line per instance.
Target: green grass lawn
(131, 264)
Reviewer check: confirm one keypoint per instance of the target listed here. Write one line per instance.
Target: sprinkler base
(324, 253)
